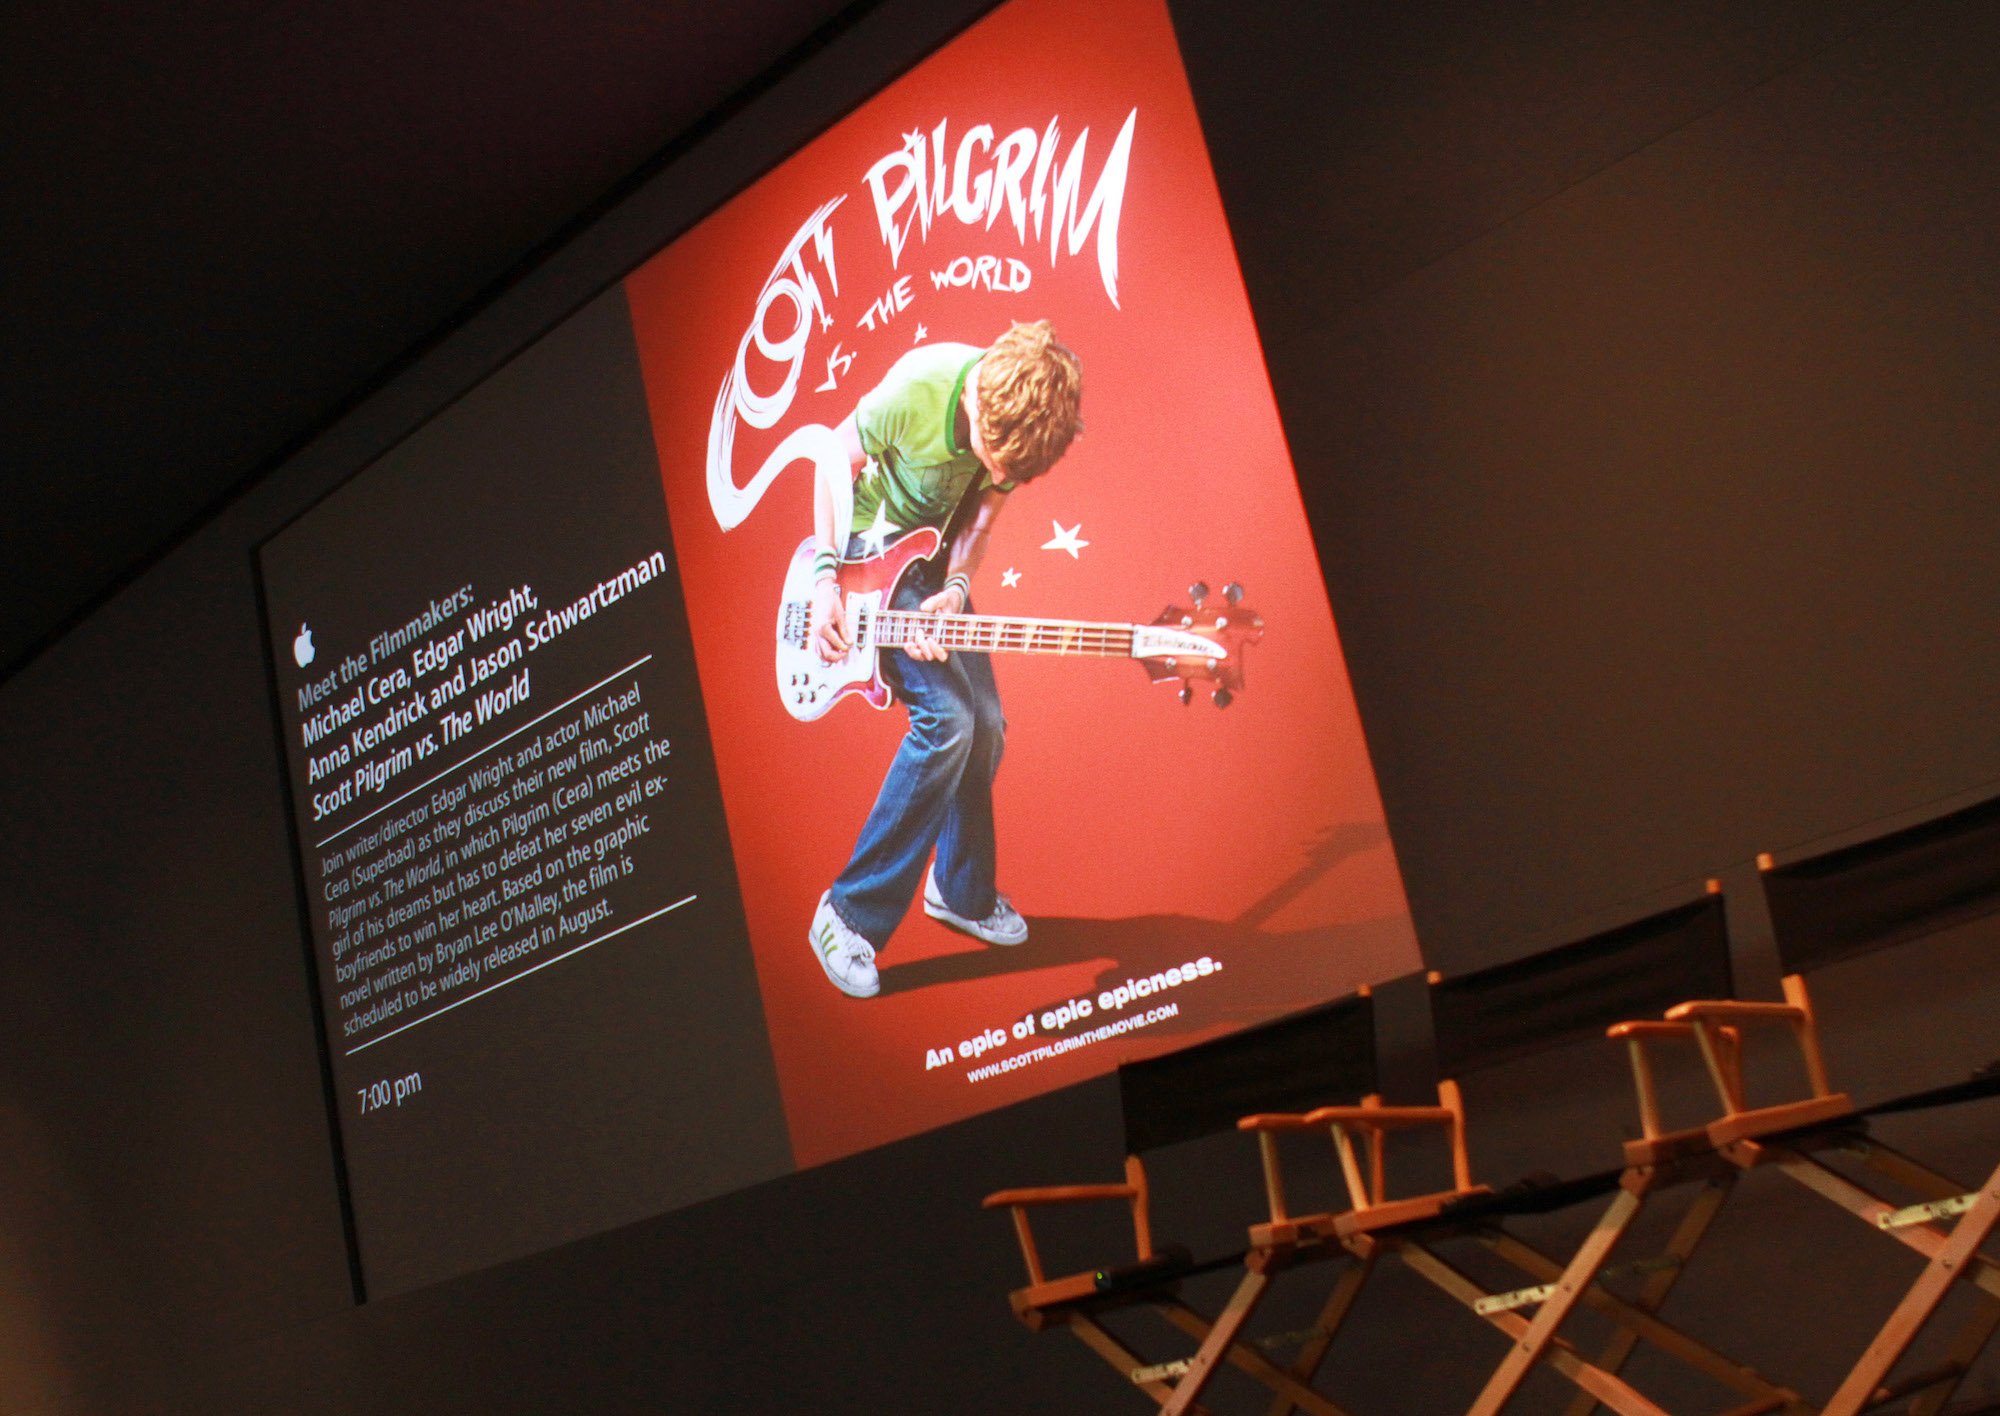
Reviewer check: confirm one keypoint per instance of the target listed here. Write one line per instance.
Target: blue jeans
(939, 790)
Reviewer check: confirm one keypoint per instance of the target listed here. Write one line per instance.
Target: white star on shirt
(921, 332)
(876, 537)
(1009, 578)
(1066, 540)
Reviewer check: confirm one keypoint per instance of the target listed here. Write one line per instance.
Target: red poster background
(1134, 833)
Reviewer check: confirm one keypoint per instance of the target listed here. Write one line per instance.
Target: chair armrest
(1621, 1032)
(1058, 1195)
(1372, 1120)
(1382, 1118)
(1278, 1121)
(1386, 1118)
(1731, 1011)
(1133, 1191)
(1718, 1024)
(1635, 1035)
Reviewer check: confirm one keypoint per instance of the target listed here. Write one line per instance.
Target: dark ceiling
(221, 221)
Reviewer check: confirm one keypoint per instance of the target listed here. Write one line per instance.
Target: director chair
(1179, 1097)
(1496, 1016)
(1828, 909)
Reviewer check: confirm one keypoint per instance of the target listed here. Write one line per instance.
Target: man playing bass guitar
(940, 442)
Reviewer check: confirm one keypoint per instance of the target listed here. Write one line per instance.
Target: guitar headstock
(1203, 643)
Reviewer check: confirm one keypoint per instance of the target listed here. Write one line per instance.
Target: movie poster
(1130, 717)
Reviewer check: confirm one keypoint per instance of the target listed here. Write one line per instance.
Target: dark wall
(1638, 363)
(1650, 463)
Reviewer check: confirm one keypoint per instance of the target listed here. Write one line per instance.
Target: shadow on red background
(1265, 971)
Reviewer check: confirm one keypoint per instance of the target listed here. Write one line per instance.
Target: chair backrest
(1887, 891)
(1635, 970)
(1323, 1056)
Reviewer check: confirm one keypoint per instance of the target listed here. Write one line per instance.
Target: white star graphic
(1009, 578)
(914, 140)
(876, 537)
(1066, 540)
(921, 332)
(868, 470)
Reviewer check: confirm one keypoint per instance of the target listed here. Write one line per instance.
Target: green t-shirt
(908, 424)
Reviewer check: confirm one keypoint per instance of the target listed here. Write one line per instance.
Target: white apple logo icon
(302, 647)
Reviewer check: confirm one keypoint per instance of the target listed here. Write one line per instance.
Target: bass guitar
(1201, 644)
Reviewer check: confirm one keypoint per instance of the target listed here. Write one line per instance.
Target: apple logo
(302, 647)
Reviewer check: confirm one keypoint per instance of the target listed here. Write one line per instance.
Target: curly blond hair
(1030, 400)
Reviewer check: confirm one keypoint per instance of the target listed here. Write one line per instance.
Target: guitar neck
(998, 634)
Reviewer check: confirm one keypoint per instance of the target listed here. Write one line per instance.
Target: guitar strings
(892, 628)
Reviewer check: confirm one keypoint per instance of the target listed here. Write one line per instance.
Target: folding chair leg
(1673, 1260)
(1613, 1391)
(1202, 1366)
(1949, 1264)
(1958, 1360)
(1306, 1365)
(1868, 1207)
(1533, 1344)
(1904, 1170)
(1644, 1325)
(1291, 1390)
(1894, 1165)
(1578, 1283)
(1123, 1360)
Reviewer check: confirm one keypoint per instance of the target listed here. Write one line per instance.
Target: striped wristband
(826, 566)
(962, 584)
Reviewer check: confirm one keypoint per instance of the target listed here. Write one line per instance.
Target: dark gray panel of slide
(539, 1004)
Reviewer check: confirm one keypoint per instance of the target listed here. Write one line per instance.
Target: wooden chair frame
(1661, 1159)
(1077, 1300)
(1043, 1292)
(1410, 1229)
(1301, 1056)
(1789, 1135)
(1369, 1204)
(1781, 1136)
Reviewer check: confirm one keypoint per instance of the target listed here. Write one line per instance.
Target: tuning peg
(1198, 592)
(1223, 697)
(1187, 694)
(1233, 593)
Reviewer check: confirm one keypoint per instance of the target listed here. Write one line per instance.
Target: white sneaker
(1003, 926)
(849, 960)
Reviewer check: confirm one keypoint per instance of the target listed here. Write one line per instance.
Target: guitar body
(807, 686)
